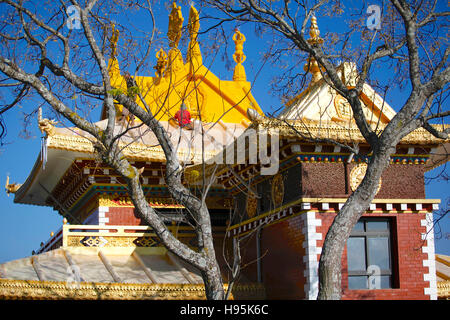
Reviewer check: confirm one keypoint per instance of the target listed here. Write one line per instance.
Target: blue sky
(23, 227)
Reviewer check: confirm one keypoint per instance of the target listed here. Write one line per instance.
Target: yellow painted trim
(442, 260)
(442, 275)
(343, 200)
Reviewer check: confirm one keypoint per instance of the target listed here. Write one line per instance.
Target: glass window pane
(379, 282)
(359, 226)
(379, 252)
(377, 225)
(357, 282)
(386, 282)
(356, 254)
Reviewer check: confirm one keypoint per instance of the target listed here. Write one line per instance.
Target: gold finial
(314, 33)
(175, 25)
(194, 23)
(194, 55)
(315, 40)
(46, 125)
(11, 187)
(64, 221)
(161, 63)
(114, 39)
(239, 56)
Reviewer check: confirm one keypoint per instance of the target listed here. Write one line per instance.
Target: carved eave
(348, 133)
(418, 148)
(68, 144)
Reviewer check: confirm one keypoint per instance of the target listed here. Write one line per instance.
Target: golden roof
(187, 80)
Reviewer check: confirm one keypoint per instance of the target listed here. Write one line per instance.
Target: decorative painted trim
(110, 236)
(102, 219)
(312, 252)
(251, 172)
(430, 261)
(443, 289)
(332, 205)
(117, 200)
(338, 132)
(55, 290)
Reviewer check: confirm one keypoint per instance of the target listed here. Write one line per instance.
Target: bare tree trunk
(330, 266)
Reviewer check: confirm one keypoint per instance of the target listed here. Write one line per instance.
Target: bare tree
(40, 60)
(410, 41)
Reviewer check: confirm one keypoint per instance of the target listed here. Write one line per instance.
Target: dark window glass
(378, 249)
(377, 225)
(357, 282)
(356, 253)
(369, 255)
(359, 226)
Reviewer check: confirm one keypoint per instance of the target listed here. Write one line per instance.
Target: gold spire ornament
(175, 26)
(161, 64)
(314, 33)
(194, 55)
(194, 23)
(314, 40)
(113, 64)
(239, 56)
(176, 62)
(113, 41)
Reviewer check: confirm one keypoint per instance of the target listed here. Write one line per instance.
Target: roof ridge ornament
(46, 125)
(239, 56)
(315, 40)
(194, 55)
(11, 187)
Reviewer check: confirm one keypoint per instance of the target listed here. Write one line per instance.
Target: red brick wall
(283, 252)
(282, 260)
(407, 258)
(122, 216)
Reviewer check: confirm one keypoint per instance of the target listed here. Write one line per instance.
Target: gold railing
(443, 289)
(116, 236)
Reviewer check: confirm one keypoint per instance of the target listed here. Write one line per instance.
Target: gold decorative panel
(277, 190)
(357, 175)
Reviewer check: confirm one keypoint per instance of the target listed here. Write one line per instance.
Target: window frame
(367, 234)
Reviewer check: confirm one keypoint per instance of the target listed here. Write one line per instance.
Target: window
(369, 255)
